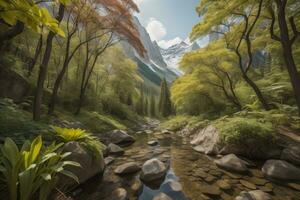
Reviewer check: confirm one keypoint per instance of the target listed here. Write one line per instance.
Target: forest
(90, 107)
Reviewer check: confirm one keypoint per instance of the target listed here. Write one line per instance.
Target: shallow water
(196, 173)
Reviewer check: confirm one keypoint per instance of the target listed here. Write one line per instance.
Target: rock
(167, 132)
(148, 131)
(152, 170)
(248, 184)
(127, 168)
(162, 196)
(258, 181)
(13, 85)
(291, 154)
(115, 149)
(223, 184)
(206, 141)
(294, 186)
(210, 190)
(279, 169)
(232, 163)
(109, 160)
(90, 166)
(174, 185)
(253, 195)
(136, 187)
(152, 143)
(119, 194)
(121, 137)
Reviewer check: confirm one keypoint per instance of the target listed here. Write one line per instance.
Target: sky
(168, 21)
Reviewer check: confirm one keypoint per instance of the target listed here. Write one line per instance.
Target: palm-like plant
(31, 172)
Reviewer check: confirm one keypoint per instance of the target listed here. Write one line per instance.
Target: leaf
(46, 176)
(70, 174)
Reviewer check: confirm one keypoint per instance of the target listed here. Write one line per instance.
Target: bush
(178, 122)
(90, 142)
(32, 172)
(245, 131)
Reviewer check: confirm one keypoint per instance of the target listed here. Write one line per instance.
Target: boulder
(232, 163)
(127, 168)
(279, 169)
(152, 170)
(121, 138)
(90, 166)
(206, 141)
(152, 143)
(253, 195)
(136, 187)
(119, 194)
(291, 154)
(162, 196)
(115, 149)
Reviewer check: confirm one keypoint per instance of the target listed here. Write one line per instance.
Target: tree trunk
(36, 55)
(43, 69)
(286, 44)
(11, 33)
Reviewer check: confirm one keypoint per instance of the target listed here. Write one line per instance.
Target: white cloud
(156, 29)
(168, 43)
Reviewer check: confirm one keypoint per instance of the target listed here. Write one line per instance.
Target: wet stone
(248, 184)
(210, 179)
(295, 186)
(215, 172)
(258, 181)
(223, 184)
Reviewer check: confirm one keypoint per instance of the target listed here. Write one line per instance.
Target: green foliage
(180, 121)
(245, 131)
(32, 15)
(89, 141)
(31, 172)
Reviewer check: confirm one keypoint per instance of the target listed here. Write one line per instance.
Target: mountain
(152, 67)
(173, 54)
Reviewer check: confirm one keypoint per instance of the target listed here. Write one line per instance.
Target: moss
(245, 131)
(176, 123)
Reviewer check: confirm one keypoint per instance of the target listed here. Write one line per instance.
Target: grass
(176, 123)
(90, 142)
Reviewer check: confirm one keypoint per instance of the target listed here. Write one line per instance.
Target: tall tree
(44, 67)
(152, 110)
(165, 105)
(288, 36)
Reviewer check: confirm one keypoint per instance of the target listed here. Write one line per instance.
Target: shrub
(90, 142)
(31, 173)
(245, 131)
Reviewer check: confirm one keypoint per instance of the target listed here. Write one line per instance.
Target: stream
(197, 175)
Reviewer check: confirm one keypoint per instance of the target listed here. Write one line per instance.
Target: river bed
(197, 174)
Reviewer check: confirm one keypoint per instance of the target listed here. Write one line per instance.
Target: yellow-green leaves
(31, 155)
(32, 15)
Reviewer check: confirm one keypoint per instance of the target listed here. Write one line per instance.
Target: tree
(244, 17)
(165, 105)
(25, 13)
(288, 36)
(152, 110)
(44, 67)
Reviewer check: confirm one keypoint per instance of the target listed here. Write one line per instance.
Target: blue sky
(168, 21)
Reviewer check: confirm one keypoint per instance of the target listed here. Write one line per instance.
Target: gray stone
(253, 195)
(152, 170)
(109, 160)
(121, 137)
(90, 166)
(291, 154)
(162, 196)
(206, 141)
(152, 143)
(115, 149)
(279, 169)
(127, 168)
(232, 163)
(119, 194)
